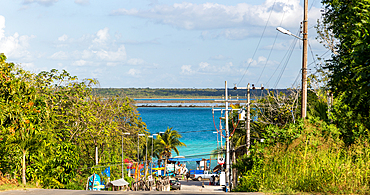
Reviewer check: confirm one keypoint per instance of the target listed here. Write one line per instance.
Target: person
(211, 179)
(187, 176)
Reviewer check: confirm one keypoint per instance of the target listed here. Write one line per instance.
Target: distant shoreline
(181, 103)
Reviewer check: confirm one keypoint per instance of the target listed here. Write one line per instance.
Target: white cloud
(261, 61)
(14, 46)
(112, 63)
(2, 26)
(213, 15)
(82, 2)
(41, 2)
(203, 65)
(186, 69)
(79, 63)
(27, 65)
(60, 55)
(235, 33)
(119, 55)
(63, 38)
(135, 61)
(206, 68)
(134, 72)
(102, 36)
(98, 49)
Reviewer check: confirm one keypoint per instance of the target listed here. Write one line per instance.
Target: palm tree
(166, 143)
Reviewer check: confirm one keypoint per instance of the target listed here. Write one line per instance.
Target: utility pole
(304, 57)
(146, 155)
(248, 141)
(122, 154)
(221, 131)
(304, 61)
(227, 101)
(227, 139)
(248, 121)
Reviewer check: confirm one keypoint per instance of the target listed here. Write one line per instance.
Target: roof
(185, 159)
(118, 182)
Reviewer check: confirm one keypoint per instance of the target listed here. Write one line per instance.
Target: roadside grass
(317, 162)
(6, 187)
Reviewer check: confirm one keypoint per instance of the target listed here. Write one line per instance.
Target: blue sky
(160, 43)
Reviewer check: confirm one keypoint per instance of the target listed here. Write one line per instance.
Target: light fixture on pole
(151, 170)
(146, 156)
(138, 159)
(122, 151)
(304, 66)
(287, 32)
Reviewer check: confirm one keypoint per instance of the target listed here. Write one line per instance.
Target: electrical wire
(272, 48)
(259, 42)
(286, 64)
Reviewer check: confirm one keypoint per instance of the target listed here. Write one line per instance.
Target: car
(175, 184)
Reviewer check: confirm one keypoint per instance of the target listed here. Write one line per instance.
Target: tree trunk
(235, 176)
(165, 166)
(24, 168)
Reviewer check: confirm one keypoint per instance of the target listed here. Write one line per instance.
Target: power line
(286, 63)
(255, 51)
(272, 48)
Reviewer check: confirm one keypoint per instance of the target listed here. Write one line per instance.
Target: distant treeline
(178, 92)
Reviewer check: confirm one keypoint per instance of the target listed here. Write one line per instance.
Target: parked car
(200, 174)
(175, 184)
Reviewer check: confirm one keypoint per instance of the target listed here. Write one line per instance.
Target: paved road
(191, 187)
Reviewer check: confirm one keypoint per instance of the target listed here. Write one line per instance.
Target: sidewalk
(196, 186)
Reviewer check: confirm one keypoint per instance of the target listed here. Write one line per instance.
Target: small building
(119, 184)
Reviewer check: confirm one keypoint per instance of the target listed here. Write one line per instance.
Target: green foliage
(51, 125)
(23, 115)
(167, 142)
(349, 22)
(316, 161)
(171, 93)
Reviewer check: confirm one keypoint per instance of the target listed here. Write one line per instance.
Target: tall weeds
(316, 161)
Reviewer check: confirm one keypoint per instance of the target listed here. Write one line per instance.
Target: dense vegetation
(328, 152)
(52, 126)
(175, 93)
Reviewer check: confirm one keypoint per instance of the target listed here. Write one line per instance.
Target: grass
(316, 162)
(6, 187)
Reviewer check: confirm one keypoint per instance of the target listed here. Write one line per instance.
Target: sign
(222, 179)
(221, 160)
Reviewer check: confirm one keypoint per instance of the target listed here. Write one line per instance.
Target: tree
(168, 142)
(23, 113)
(350, 67)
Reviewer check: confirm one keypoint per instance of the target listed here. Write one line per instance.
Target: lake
(194, 124)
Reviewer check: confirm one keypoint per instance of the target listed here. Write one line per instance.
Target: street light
(122, 150)
(304, 62)
(152, 136)
(287, 32)
(138, 159)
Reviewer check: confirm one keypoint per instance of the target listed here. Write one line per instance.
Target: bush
(316, 161)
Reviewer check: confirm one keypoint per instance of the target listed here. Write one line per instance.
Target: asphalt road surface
(191, 187)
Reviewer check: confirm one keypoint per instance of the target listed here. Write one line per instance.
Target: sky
(161, 43)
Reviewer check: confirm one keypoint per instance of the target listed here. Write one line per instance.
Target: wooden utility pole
(248, 120)
(304, 61)
(248, 140)
(227, 171)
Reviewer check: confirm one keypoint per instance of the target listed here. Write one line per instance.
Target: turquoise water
(194, 124)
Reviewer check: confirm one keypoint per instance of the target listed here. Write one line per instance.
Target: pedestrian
(211, 180)
(187, 176)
